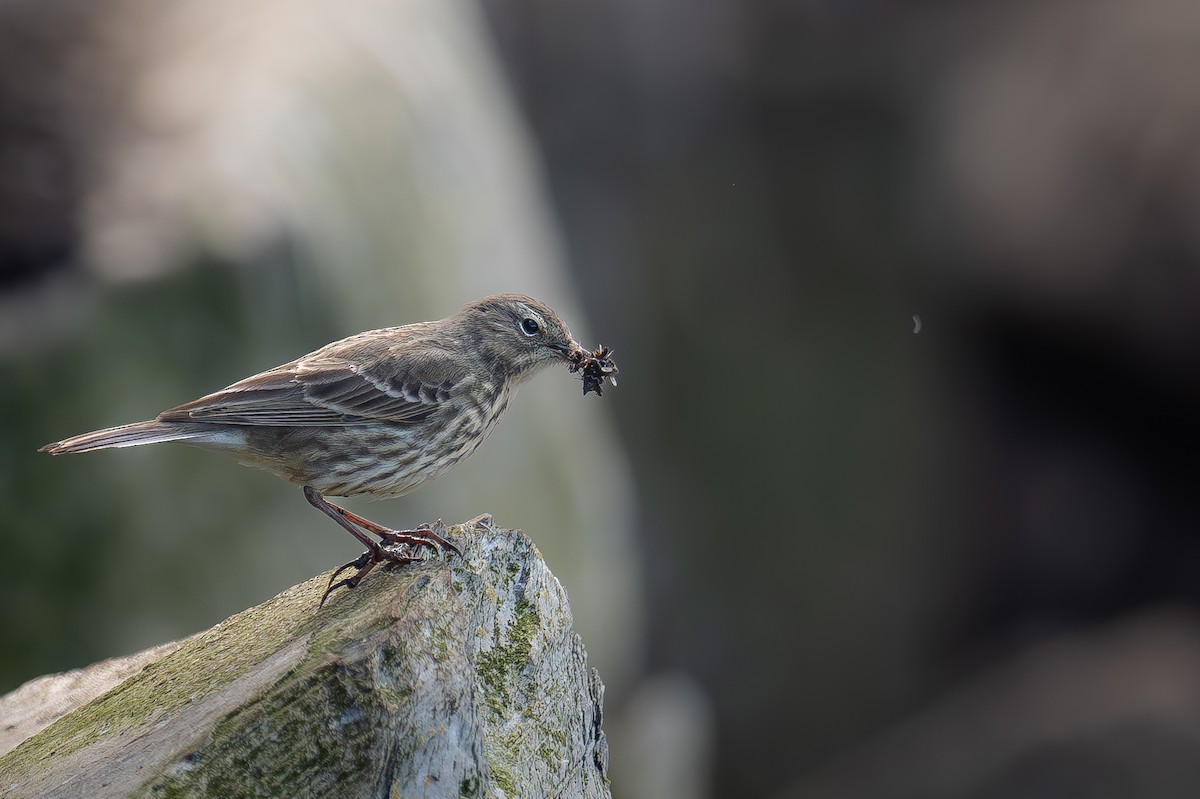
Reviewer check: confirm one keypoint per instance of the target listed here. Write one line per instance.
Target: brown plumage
(377, 413)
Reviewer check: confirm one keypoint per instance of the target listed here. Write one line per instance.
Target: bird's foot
(396, 546)
(363, 565)
(429, 535)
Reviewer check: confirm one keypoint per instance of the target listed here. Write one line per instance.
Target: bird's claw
(421, 537)
(363, 563)
(397, 546)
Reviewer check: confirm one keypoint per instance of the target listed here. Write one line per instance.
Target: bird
(377, 413)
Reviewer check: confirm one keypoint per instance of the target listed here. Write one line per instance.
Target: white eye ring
(530, 326)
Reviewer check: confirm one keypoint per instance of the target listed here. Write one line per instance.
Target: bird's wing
(331, 391)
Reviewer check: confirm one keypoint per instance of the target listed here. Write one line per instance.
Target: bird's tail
(127, 435)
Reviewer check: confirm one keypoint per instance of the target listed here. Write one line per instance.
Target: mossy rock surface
(447, 678)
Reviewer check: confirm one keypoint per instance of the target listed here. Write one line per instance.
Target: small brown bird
(377, 413)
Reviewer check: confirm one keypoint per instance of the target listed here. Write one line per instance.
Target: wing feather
(331, 391)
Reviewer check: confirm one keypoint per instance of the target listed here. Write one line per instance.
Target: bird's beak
(569, 351)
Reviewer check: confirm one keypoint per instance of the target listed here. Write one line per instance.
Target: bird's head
(517, 333)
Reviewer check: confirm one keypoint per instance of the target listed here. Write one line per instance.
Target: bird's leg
(376, 553)
(338, 515)
(352, 522)
(363, 563)
(421, 536)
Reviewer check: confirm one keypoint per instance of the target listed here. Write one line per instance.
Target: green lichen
(504, 779)
(211, 661)
(277, 730)
(499, 672)
(512, 569)
(356, 696)
(203, 664)
(499, 667)
(391, 692)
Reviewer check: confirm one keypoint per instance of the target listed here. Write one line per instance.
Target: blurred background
(897, 495)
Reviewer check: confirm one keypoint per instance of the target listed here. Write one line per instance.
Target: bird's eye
(530, 326)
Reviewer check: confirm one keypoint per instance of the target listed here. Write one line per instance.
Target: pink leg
(375, 554)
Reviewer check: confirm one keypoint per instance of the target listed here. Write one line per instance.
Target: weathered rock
(441, 679)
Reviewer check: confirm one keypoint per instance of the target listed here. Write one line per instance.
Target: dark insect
(597, 366)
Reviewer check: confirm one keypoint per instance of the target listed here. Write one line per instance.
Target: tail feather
(127, 435)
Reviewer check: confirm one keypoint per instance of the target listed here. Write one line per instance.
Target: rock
(447, 678)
